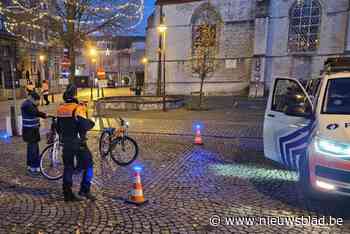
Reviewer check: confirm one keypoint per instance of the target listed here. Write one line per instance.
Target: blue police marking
(294, 144)
(332, 126)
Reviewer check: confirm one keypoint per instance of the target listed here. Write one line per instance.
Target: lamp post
(144, 61)
(92, 53)
(93, 61)
(42, 59)
(162, 28)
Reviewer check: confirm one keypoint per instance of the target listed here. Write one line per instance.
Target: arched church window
(205, 28)
(304, 26)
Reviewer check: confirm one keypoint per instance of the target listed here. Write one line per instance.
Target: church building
(254, 41)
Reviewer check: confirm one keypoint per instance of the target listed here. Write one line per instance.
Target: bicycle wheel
(51, 162)
(105, 140)
(124, 150)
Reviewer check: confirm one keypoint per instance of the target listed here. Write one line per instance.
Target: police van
(307, 128)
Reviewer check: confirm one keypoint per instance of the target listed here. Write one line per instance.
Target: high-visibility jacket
(72, 123)
(31, 121)
(45, 89)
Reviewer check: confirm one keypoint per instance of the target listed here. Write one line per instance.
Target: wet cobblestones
(185, 186)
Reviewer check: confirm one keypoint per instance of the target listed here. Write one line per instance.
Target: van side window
(288, 94)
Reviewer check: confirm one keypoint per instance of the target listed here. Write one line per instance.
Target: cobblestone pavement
(185, 184)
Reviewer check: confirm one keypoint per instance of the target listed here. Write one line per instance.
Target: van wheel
(304, 181)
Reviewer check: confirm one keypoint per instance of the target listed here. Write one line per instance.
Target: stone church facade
(257, 40)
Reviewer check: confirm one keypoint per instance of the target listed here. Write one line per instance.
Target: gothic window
(205, 28)
(304, 26)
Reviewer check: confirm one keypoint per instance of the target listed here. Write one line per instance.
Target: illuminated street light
(144, 60)
(41, 58)
(93, 52)
(162, 28)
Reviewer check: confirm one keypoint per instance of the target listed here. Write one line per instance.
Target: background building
(120, 57)
(258, 40)
(7, 61)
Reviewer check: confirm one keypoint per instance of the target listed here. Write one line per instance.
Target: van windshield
(337, 99)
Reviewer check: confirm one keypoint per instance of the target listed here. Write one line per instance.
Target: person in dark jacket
(30, 131)
(30, 87)
(73, 125)
(45, 91)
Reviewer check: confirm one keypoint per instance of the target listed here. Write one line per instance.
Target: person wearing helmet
(72, 127)
(30, 131)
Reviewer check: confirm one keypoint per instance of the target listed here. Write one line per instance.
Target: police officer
(73, 126)
(30, 131)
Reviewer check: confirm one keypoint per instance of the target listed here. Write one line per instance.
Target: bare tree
(70, 22)
(204, 53)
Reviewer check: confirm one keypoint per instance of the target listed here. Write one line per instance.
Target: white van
(307, 129)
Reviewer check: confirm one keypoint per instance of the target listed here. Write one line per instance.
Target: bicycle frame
(122, 131)
(56, 145)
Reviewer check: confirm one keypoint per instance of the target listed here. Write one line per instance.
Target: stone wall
(236, 41)
(251, 30)
(333, 40)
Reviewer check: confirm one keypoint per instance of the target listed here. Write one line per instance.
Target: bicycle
(51, 161)
(115, 142)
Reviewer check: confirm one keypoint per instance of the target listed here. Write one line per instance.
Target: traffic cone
(136, 194)
(198, 138)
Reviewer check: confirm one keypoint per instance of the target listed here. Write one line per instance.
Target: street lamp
(93, 61)
(93, 52)
(162, 28)
(144, 60)
(42, 58)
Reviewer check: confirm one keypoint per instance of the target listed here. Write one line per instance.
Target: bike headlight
(332, 148)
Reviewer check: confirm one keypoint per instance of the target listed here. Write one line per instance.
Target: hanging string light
(115, 16)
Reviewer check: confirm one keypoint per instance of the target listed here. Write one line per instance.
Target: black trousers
(84, 159)
(33, 158)
(46, 98)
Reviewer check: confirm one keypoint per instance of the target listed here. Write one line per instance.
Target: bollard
(13, 121)
(19, 125)
(8, 126)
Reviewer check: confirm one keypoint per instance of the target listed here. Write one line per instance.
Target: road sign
(63, 81)
(102, 84)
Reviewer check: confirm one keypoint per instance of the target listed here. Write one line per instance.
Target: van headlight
(332, 148)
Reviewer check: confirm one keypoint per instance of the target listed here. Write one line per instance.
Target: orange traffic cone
(198, 138)
(136, 194)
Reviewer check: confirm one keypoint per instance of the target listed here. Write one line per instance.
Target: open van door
(288, 122)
